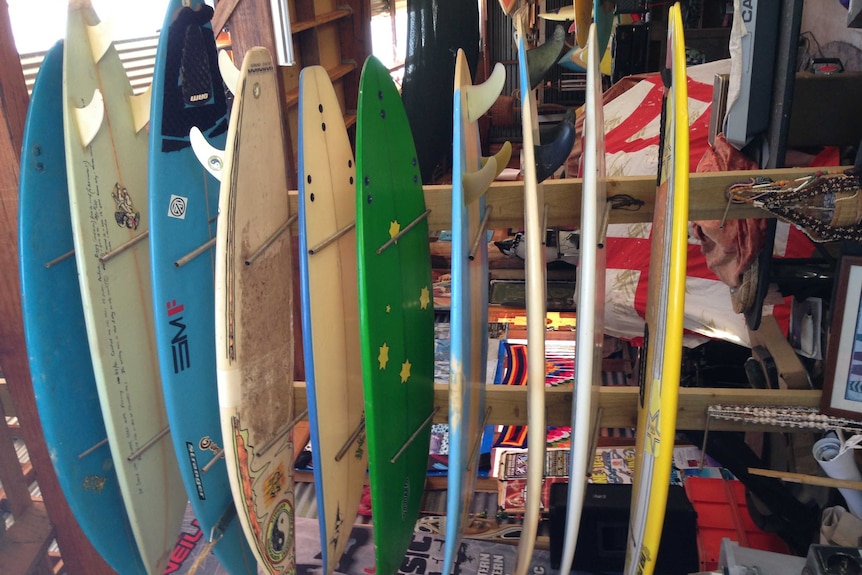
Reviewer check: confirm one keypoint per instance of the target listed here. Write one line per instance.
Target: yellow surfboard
(659, 378)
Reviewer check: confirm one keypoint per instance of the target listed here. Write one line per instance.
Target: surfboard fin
(210, 157)
(542, 58)
(89, 118)
(481, 97)
(550, 156)
(229, 71)
(100, 39)
(140, 104)
(476, 183)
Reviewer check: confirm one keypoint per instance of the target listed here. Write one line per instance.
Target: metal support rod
(407, 228)
(58, 259)
(483, 227)
(331, 239)
(106, 257)
(350, 440)
(597, 431)
(705, 436)
(221, 525)
(282, 432)
(478, 441)
(270, 240)
(140, 451)
(87, 452)
(603, 224)
(195, 253)
(218, 456)
(416, 433)
(544, 230)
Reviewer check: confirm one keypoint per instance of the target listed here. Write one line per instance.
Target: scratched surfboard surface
(254, 321)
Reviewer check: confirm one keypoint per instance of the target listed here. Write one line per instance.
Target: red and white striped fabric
(632, 129)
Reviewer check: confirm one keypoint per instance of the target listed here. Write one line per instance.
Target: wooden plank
(791, 373)
(563, 198)
(320, 19)
(24, 547)
(508, 405)
(79, 556)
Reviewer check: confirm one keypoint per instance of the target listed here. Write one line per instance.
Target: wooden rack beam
(509, 405)
(563, 197)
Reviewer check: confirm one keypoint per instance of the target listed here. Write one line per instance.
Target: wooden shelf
(320, 19)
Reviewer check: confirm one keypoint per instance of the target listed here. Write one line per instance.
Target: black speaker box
(602, 538)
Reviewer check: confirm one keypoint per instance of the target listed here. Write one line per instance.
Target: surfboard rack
(350, 440)
(60, 258)
(90, 450)
(480, 233)
(415, 434)
(478, 441)
(270, 240)
(136, 454)
(330, 239)
(404, 230)
(284, 431)
(219, 455)
(195, 253)
(108, 256)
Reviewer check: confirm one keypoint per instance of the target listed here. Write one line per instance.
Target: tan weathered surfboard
(254, 346)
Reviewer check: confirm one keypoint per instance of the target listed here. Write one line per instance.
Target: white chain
(783, 416)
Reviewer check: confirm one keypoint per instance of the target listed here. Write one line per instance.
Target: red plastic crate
(722, 512)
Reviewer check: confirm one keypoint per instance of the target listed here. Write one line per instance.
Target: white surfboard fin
(90, 118)
(140, 104)
(100, 39)
(229, 71)
(476, 183)
(481, 97)
(210, 157)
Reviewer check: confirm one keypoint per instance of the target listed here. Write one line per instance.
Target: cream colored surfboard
(106, 160)
(254, 345)
(536, 301)
(590, 303)
(330, 311)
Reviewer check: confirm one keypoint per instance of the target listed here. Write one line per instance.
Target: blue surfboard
(188, 91)
(60, 365)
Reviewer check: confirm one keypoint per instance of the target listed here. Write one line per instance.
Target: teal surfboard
(183, 196)
(396, 313)
(60, 365)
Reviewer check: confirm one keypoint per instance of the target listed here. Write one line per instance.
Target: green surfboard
(396, 315)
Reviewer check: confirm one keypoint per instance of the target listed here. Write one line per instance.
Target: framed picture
(842, 384)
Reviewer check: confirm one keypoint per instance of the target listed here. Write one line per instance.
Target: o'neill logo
(180, 341)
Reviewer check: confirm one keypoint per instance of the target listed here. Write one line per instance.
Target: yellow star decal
(424, 297)
(394, 229)
(383, 356)
(388, 308)
(405, 371)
